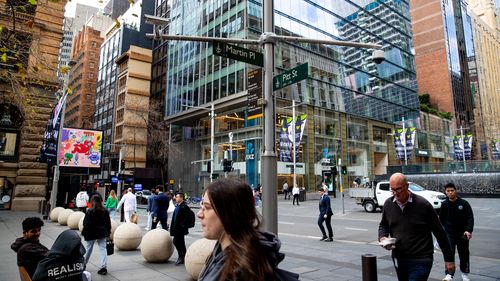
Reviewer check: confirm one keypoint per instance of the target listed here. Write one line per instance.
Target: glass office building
(350, 101)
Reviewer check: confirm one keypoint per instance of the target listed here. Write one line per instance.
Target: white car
(434, 197)
(142, 196)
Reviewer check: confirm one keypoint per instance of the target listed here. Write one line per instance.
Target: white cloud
(69, 10)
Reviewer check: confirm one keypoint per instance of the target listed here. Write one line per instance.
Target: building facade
(31, 35)
(347, 100)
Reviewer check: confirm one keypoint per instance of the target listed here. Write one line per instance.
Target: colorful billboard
(80, 148)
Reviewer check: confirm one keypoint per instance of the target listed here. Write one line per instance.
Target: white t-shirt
(81, 199)
(285, 186)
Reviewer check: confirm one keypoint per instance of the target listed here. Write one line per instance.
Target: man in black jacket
(178, 227)
(411, 220)
(458, 220)
(325, 214)
(160, 208)
(28, 248)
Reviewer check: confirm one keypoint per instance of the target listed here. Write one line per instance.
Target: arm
(24, 274)
(438, 231)
(384, 227)
(470, 221)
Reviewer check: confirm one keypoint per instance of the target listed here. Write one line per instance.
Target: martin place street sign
(291, 76)
(237, 53)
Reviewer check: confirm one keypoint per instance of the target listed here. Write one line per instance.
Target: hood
(18, 244)
(69, 244)
(272, 246)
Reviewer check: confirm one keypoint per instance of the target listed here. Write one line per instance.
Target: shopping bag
(133, 218)
(110, 247)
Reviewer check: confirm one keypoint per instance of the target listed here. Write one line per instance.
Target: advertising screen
(80, 148)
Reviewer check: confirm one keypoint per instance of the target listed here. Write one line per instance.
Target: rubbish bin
(302, 195)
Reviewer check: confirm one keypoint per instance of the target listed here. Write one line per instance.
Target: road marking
(317, 237)
(285, 222)
(358, 229)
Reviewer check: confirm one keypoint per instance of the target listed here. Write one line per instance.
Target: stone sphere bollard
(114, 226)
(74, 219)
(54, 214)
(127, 236)
(80, 224)
(157, 246)
(63, 216)
(196, 256)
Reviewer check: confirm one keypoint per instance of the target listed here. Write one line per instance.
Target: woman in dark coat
(97, 227)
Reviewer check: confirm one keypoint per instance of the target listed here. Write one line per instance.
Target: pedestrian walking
(130, 204)
(159, 212)
(97, 228)
(242, 251)
(111, 203)
(410, 220)
(285, 189)
(151, 200)
(295, 194)
(458, 221)
(179, 226)
(325, 214)
(65, 261)
(82, 198)
(28, 248)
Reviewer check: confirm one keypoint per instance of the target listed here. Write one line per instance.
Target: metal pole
(463, 147)
(212, 133)
(55, 182)
(119, 184)
(341, 185)
(269, 159)
(404, 134)
(369, 267)
(293, 148)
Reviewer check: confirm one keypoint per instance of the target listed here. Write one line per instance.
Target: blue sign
(114, 179)
(137, 187)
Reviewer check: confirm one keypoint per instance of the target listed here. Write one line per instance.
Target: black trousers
(163, 222)
(286, 193)
(328, 222)
(180, 245)
(462, 245)
(295, 198)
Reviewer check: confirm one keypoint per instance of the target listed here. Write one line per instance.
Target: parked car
(373, 198)
(142, 196)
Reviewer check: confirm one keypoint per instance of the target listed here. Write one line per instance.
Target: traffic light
(334, 170)
(227, 165)
(344, 170)
(122, 165)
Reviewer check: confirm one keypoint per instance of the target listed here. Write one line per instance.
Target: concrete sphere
(80, 224)
(63, 216)
(54, 214)
(74, 219)
(157, 246)
(114, 225)
(196, 256)
(127, 236)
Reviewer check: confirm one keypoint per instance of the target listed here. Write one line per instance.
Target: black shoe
(102, 271)
(329, 240)
(323, 239)
(179, 261)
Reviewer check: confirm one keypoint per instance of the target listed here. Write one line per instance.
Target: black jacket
(179, 217)
(413, 228)
(160, 209)
(29, 253)
(457, 217)
(65, 261)
(96, 225)
(325, 207)
(213, 267)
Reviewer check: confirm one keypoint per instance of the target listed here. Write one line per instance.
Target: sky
(71, 5)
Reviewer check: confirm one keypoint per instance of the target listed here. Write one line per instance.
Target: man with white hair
(130, 204)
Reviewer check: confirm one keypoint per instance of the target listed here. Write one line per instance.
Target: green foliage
(425, 106)
(425, 99)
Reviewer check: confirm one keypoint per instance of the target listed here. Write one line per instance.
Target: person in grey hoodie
(242, 252)
(65, 261)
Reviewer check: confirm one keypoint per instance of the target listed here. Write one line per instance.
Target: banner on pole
(286, 136)
(495, 151)
(404, 141)
(463, 147)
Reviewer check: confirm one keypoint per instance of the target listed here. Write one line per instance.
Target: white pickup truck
(373, 198)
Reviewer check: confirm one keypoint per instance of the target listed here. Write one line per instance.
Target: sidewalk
(313, 260)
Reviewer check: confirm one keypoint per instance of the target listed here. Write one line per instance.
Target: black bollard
(369, 267)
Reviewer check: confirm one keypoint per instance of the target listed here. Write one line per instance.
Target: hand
(325, 216)
(155, 219)
(388, 247)
(468, 235)
(449, 267)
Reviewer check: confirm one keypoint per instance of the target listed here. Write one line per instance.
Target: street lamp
(212, 133)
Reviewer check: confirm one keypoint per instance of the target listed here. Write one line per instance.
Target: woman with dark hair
(97, 227)
(228, 215)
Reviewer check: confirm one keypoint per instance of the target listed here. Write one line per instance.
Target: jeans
(462, 246)
(102, 251)
(112, 213)
(328, 222)
(413, 270)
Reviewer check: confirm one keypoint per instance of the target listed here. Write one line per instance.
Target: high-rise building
(116, 8)
(30, 37)
(348, 100)
(119, 38)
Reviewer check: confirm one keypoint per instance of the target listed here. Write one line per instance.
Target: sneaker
(102, 271)
(465, 277)
(448, 277)
(323, 238)
(329, 240)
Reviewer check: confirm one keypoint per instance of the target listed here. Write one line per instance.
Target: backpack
(191, 218)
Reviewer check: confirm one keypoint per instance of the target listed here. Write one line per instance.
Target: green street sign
(291, 76)
(237, 53)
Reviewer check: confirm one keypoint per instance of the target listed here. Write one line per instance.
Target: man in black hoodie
(28, 248)
(65, 261)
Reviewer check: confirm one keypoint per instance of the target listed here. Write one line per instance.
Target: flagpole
(405, 143)
(55, 182)
(463, 147)
(294, 149)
